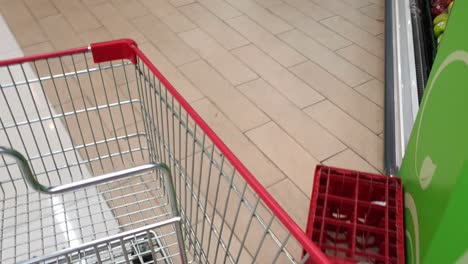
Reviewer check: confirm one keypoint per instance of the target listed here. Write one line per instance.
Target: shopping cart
(105, 162)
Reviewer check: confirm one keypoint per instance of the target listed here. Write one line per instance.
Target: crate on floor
(357, 217)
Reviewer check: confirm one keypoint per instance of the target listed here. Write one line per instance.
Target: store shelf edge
(389, 131)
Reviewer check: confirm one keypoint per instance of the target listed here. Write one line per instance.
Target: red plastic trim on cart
(114, 50)
(127, 49)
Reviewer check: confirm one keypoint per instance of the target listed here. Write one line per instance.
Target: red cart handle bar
(128, 49)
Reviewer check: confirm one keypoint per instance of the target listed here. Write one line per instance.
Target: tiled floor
(296, 82)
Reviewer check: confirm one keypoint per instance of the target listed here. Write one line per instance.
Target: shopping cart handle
(35, 184)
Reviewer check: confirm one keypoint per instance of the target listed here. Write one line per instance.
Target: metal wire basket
(105, 162)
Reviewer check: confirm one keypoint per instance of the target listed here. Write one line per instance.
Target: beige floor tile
(41, 8)
(58, 91)
(178, 139)
(382, 135)
(165, 40)
(260, 15)
(257, 240)
(213, 241)
(22, 23)
(364, 60)
(98, 87)
(41, 68)
(360, 139)
(270, 252)
(213, 175)
(171, 73)
(265, 171)
(60, 32)
(178, 3)
(217, 29)
(80, 18)
(353, 15)
(228, 99)
(289, 156)
(116, 117)
(214, 180)
(311, 9)
(105, 164)
(268, 3)
(38, 48)
(135, 201)
(326, 58)
(378, 2)
(116, 24)
(348, 159)
(342, 95)
(240, 223)
(130, 120)
(121, 119)
(313, 29)
(266, 41)
(375, 11)
(293, 201)
(130, 8)
(220, 8)
(357, 3)
(218, 57)
(381, 36)
(15, 12)
(374, 90)
(121, 74)
(91, 3)
(306, 131)
(87, 127)
(284, 81)
(169, 15)
(96, 35)
(357, 35)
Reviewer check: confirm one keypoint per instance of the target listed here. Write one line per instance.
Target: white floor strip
(70, 232)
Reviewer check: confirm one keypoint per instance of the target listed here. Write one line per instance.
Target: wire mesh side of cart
(74, 119)
(64, 114)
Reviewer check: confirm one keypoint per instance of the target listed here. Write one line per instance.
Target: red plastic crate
(357, 217)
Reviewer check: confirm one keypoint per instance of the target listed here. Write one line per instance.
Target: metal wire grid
(142, 245)
(76, 101)
(57, 124)
(224, 220)
(118, 115)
